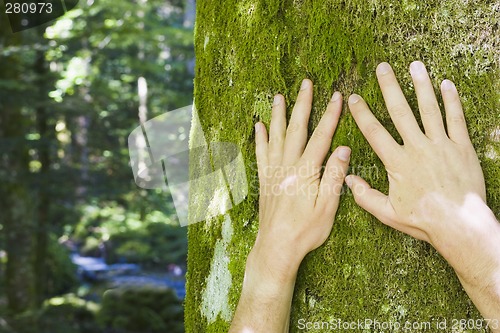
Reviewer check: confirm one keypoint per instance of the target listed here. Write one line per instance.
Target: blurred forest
(68, 101)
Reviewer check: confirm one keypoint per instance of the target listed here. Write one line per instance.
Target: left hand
(297, 204)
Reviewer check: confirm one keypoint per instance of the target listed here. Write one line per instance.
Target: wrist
(270, 268)
(470, 242)
(266, 297)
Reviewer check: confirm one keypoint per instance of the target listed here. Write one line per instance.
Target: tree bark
(247, 51)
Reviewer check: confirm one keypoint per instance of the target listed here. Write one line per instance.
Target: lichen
(215, 296)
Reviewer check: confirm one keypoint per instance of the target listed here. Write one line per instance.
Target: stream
(94, 270)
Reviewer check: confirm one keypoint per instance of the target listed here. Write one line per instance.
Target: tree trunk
(16, 200)
(247, 51)
(44, 193)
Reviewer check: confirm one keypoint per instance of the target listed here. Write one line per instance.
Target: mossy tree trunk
(249, 50)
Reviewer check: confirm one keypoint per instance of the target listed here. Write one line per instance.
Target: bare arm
(436, 185)
(265, 300)
(297, 206)
(472, 248)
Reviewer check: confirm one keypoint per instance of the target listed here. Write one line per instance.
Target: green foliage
(247, 51)
(102, 220)
(168, 243)
(62, 314)
(68, 314)
(133, 251)
(145, 309)
(154, 245)
(61, 272)
(154, 241)
(91, 247)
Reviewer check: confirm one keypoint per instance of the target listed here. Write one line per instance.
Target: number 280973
(28, 8)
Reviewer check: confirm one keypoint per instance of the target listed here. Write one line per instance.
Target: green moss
(247, 51)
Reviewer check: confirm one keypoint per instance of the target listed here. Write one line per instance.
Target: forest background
(68, 101)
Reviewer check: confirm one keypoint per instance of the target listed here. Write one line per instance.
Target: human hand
(297, 205)
(432, 175)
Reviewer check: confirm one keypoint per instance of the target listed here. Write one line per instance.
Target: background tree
(247, 51)
(68, 101)
(17, 212)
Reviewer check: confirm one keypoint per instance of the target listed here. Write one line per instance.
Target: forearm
(265, 300)
(473, 250)
(487, 301)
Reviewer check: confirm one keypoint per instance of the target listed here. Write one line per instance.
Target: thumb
(379, 205)
(371, 200)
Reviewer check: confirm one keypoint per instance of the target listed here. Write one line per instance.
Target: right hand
(433, 177)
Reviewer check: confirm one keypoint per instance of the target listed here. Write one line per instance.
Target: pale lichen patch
(205, 43)
(246, 11)
(218, 284)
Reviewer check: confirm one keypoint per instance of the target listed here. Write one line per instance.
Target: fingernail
(447, 85)
(417, 67)
(353, 99)
(348, 181)
(383, 68)
(277, 100)
(336, 96)
(343, 154)
(257, 128)
(304, 85)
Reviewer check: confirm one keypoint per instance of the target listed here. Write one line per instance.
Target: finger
(396, 103)
(261, 147)
(332, 180)
(277, 130)
(455, 120)
(379, 205)
(321, 140)
(296, 133)
(427, 102)
(379, 139)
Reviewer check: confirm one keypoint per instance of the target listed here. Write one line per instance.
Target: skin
(429, 197)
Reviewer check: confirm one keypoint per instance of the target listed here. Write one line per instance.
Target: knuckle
(373, 129)
(293, 127)
(399, 110)
(423, 143)
(275, 139)
(336, 173)
(456, 119)
(357, 197)
(429, 110)
(319, 133)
